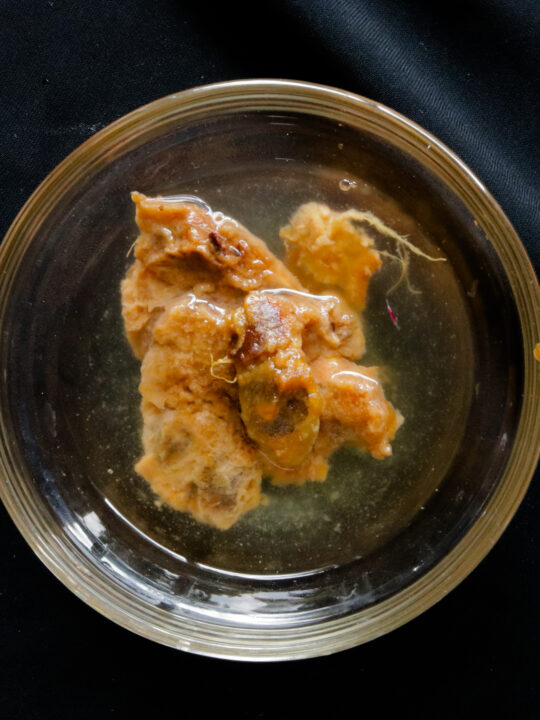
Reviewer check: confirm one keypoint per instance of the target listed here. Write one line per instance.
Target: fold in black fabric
(467, 71)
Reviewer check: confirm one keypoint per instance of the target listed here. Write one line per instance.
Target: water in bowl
(79, 418)
(426, 360)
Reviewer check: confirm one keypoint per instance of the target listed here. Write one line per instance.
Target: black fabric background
(467, 71)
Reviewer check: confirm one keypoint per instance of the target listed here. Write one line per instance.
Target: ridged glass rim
(86, 579)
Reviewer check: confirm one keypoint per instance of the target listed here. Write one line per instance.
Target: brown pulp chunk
(244, 373)
(325, 249)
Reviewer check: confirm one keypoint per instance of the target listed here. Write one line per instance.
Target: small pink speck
(393, 317)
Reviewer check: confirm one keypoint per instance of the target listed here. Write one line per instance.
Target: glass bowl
(322, 567)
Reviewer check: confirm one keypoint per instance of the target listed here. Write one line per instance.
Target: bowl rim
(73, 568)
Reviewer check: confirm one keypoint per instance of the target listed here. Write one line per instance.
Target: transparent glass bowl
(321, 568)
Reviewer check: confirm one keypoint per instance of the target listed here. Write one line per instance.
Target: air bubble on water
(345, 184)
